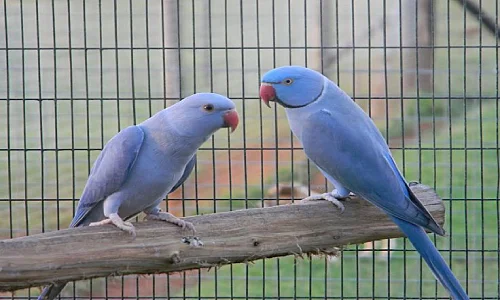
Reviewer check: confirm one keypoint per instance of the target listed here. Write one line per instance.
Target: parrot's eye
(288, 81)
(208, 107)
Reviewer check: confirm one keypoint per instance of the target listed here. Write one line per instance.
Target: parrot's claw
(328, 197)
(168, 217)
(118, 222)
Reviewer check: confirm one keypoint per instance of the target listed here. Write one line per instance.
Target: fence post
(172, 74)
(418, 29)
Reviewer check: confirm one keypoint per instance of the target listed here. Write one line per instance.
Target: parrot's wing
(435, 227)
(351, 155)
(110, 170)
(187, 171)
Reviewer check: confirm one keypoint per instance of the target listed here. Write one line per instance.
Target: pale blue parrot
(141, 164)
(346, 146)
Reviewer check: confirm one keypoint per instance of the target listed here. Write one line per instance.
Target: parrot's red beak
(267, 93)
(231, 119)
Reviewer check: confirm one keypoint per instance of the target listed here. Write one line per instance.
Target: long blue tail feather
(423, 244)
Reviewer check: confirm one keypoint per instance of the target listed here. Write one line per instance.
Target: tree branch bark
(229, 237)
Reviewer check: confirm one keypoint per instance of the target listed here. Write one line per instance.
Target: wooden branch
(230, 237)
(488, 22)
(335, 57)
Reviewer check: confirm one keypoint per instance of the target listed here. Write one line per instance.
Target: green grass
(317, 277)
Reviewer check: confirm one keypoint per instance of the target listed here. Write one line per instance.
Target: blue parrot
(141, 164)
(346, 146)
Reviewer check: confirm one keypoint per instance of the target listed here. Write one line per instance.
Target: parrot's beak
(267, 93)
(231, 119)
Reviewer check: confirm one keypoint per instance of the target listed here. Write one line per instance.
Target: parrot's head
(204, 113)
(291, 86)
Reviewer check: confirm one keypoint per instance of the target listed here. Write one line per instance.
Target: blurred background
(73, 73)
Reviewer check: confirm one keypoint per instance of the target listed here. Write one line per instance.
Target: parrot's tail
(418, 237)
(51, 291)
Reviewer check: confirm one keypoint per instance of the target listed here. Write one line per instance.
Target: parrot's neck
(162, 130)
(297, 116)
(332, 98)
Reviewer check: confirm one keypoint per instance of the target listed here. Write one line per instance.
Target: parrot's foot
(328, 197)
(340, 195)
(118, 222)
(168, 217)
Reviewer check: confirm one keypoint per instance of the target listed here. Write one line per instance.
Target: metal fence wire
(73, 73)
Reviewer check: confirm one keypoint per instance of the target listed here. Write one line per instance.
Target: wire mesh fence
(73, 73)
